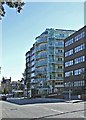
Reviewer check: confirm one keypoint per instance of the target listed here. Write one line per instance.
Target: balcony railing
(41, 40)
(40, 72)
(59, 70)
(59, 62)
(41, 56)
(41, 48)
(41, 63)
(56, 70)
(59, 54)
(40, 79)
(56, 45)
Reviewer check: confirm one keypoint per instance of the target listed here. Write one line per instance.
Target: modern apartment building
(75, 62)
(47, 60)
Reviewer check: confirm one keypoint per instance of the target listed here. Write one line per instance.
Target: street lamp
(69, 92)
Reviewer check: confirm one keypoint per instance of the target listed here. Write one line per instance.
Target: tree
(18, 4)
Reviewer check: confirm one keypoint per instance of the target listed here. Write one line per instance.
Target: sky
(19, 31)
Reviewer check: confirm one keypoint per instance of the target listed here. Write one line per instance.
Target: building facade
(30, 81)
(17, 88)
(6, 85)
(47, 60)
(75, 62)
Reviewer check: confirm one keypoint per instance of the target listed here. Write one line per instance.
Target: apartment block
(45, 61)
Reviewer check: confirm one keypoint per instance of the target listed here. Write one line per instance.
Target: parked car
(3, 97)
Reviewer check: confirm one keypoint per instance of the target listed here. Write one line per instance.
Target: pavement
(41, 111)
(75, 101)
(22, 101)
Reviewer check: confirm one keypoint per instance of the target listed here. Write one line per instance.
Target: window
(69, 63)
(79, 48)
(61, 35)
(59, 75)
(79, 60)
(69, 42)
(67, 74)
(79, 71)
(68, 53)
(60, 51)
(61, 44)
(56, 83)
(59, 67)
(68, 84)
(79, 36)
(59, 59)
(79, 83)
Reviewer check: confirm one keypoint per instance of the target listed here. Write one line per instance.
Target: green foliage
(18, 4)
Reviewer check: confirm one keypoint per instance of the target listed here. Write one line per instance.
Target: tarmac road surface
(43, 110)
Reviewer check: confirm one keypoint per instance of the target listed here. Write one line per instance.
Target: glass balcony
(41, 55)
(40, 79)
(57, 78)
(57, 86)
(59, 45)
(59, 62)
(56, 70)
(41, 40)
(59, 54)
(41, 63)
(60, 78)
(41, 48)
(40, 72)
(59, 70)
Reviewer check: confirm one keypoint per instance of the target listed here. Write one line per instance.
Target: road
(44, 110)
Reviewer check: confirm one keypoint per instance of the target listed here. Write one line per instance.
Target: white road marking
(56, 110)
(83, 116)
(53, 110)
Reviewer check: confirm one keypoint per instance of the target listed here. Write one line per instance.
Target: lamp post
(69, 92)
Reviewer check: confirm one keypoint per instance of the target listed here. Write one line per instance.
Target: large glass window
(79, 60)
(79, 71)
(79, 36)
(79, 83)
(76, 38)
(68, 53)
(69, 84)
(69, 42)
(70, 73)
(69, 63)
(79, 48)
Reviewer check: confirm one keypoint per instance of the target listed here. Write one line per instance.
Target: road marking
(53, 110)
(56, 110)
(83, 116)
